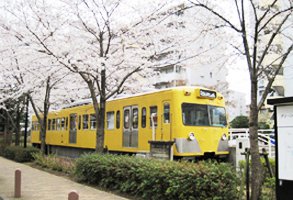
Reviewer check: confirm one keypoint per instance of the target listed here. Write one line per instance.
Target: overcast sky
(238, 78)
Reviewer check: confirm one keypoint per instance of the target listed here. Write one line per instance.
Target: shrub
(19, 154)
(53, 162)
(268, 187)
(157, 179)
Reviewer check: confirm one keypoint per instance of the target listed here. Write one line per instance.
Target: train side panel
(117, 140)
(128, 124)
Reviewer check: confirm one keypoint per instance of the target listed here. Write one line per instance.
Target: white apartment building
(283, 83)
(170, 76)
(288, 66)
(206, 76)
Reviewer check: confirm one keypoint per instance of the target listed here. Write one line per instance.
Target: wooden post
(17, 184)
(73, 195)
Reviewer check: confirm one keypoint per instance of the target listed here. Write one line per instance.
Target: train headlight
(191, 136)
(224, 137)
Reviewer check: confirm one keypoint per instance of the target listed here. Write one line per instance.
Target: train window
(79, 122)
(195, 115)
(118, 119)
(217, 116)
(154, 114)
(166, 113)
(110, 120)
(85, 124)
(62, 123)
(33, 126)
(49, 124)
(143, 117)
(66, 123)
(126, 118)
(53, 124)
(93, 121)
(135, 118)
(58, 124)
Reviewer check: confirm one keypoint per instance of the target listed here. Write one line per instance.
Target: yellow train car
(194, 118)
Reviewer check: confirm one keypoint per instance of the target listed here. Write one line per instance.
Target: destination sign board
(207, 94)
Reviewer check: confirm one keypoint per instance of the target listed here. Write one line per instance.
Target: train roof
(178, 88)
(125, 96)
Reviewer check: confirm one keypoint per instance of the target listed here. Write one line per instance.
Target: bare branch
(274, 16)
(271, 80)
(122, 82)
(267, 11)
(198, 4)
(276, 32)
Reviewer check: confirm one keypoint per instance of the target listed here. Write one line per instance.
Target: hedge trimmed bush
(19, 154)
(157, 179)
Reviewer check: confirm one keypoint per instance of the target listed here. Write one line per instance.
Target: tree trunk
(256, 167)
(101, 114)
(43, 137)
(26, 122)
(17, 125)
(7, 135)
(45, 115)
(101, 128)
(43, 119)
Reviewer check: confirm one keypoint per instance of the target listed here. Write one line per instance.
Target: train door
(130, 126)
(166, 121)
(72, 128)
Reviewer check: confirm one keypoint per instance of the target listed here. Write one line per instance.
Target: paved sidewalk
(40, 185)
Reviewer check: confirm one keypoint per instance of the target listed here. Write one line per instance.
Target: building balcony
(170, 77)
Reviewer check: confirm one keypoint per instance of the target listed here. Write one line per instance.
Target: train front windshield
(203, 115)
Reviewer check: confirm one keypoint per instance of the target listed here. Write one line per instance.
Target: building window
(281, 71)
(110, 120)
(178, 69)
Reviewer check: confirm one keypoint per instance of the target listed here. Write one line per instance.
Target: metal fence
(266, 138)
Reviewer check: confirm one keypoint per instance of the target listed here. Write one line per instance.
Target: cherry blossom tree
(27, 73)
(113, 46)
(260, 27)
(97, 41)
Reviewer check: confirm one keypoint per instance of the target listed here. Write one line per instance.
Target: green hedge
(156, 179)
(19, 154)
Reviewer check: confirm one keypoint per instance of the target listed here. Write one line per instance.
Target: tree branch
(198, 4)
(271, 80)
